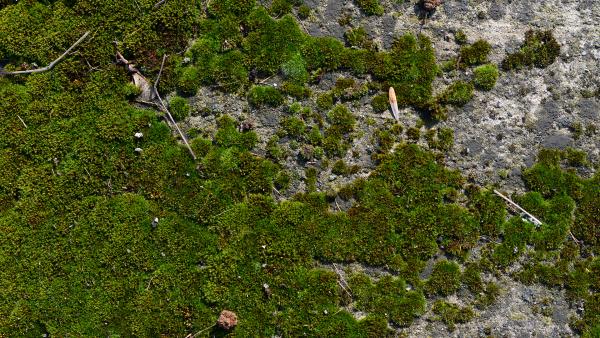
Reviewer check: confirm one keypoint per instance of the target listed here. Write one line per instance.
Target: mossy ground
(97, 239)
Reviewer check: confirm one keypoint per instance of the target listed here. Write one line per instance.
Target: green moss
(280, 7)
(485, 76)
(540, 49)
(444, 279)
(295, 69)
(441, 138)
(460, 37)
(458, 93)
(303, 12)
(179, 107)
(370, 7)
(517, 233)
(341, 119)
(323, 52)
(413, 133)
(409, 67)
(295, 90)
(293, 126)
(265, 96)
(451, 314)
(475, 54)
(357, 37)
(311, 179)
(380, 103)
(325, 101)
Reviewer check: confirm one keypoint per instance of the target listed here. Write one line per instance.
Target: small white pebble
(138, 135)
(138, 150)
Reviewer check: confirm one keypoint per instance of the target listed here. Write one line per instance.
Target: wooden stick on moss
(52, 64)
(166, 110)
(535, 220)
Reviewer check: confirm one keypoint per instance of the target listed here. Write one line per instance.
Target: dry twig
(52, 64)
(166, 111)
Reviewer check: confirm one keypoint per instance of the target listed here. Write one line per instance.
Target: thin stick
(199, 332)
(52, 64)
(164, 108)
(22, 121)
(535, 220)
(159, 3)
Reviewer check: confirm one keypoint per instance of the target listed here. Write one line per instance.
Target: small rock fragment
(138, 135)
(154, 222)
(227, 320)
(431, 4)
(138, 150)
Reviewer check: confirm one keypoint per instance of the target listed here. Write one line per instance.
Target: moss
(409, 67)
(485, 76)
(357, 37)
(271, 43)
(441, 138)
(293, 126)
(444, 279)
(475, 54)
(303, 12)
(471, 277)
(490, 211)
(323, 52)
(451, 314)
(540, 49)
(458, 93)
(311, 179)
(517, 233)
(179, 107)
(460, 37)
(370, 7)
(380, 103)
(295, 69)
(280, 7)
(341, 119)
(325, 101)
(265, 96)
(413, 133)
(295, 90)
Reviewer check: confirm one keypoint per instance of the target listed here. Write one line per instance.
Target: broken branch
(52, 64)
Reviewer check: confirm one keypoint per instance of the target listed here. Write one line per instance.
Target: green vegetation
(475, 54)
(458, 93)
(370, 7)
(540, 49)
(485, 76)
(265, 96)
(451, 314)
(103, 233)
(380, 103)
(179, 107)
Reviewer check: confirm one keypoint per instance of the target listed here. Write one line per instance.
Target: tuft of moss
(179, 107)
(323, 53)
(485, 76)
(540, 49)
(264, 96)
(303, 12)
(380, 103)
(325, 101)
(370, 7)
(445, 278)
(458, 93)
(451, 314)
(357, 37)
(460, 37)
(295, 69)
(475, 54)
(409, 67)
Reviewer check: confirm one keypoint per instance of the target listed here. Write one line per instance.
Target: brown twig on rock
(51, 64)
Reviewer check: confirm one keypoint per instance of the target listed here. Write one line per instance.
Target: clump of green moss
(475, 54)
(458, 93)
(370, 7)
(460, 37)
(293, 126)
(325, 101)
(540, 49)
(303, 12)
(341, 122)
(341, 168)
(485, 76)
(388, 296)
(380, 103)
(357, 37)
(295, 69)
(445, 278)
(451, 314)
(179, 107)
(323, 52)
(409, 67)
(265, 96)
(440, 138)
